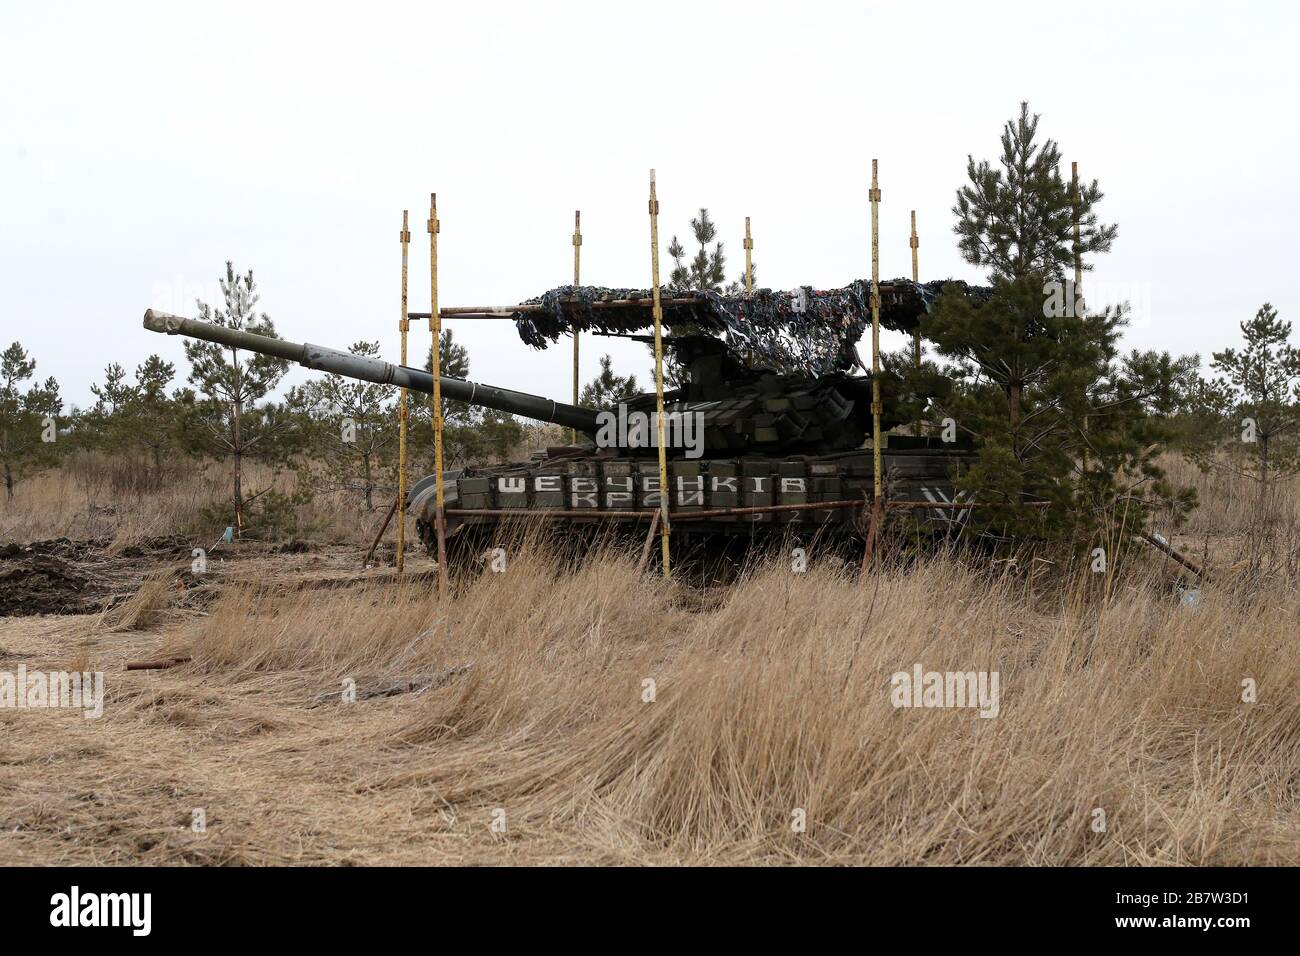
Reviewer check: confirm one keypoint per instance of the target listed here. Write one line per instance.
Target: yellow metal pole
(577, 259)
(874, 195)
(915, 243)
(749, 260)
(659, 375)
(404, 326)
(435, 326)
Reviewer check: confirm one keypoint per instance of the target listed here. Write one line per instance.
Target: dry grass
(770, 698)
(141, 609)
(80, 501)
(79, 505)
(525, 694)
(1230, 505)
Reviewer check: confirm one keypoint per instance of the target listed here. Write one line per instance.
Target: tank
(752, 451)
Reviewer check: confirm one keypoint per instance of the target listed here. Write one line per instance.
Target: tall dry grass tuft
(142, 609)
(608, 709)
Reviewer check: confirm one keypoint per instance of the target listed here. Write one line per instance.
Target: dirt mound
(173, 545)
(64, 548)
(43, 584)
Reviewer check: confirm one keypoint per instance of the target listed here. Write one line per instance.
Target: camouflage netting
(812, 331)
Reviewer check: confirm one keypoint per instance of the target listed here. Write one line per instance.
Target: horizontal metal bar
(675, 515)
(509, 311)
(543, 513)
(696, 515)
(477, 316)
(958, 505)
(955, 505)
(505, 311)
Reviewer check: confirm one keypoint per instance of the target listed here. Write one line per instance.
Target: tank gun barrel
(325, 359)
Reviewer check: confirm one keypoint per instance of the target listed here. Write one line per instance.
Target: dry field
(522, 702)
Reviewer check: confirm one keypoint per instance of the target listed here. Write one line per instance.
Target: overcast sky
(142, 145)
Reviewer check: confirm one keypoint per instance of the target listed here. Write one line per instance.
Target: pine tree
(1167, 383)
(114, 393)
(608, 389)
(1018, 220)
(355, 426)
(28, 419)
(135, 418)
(471, 434)
(1040, 385)
(226, 420)
(153, 412)
(453, 362)
(707, 270)
(1258, 398)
